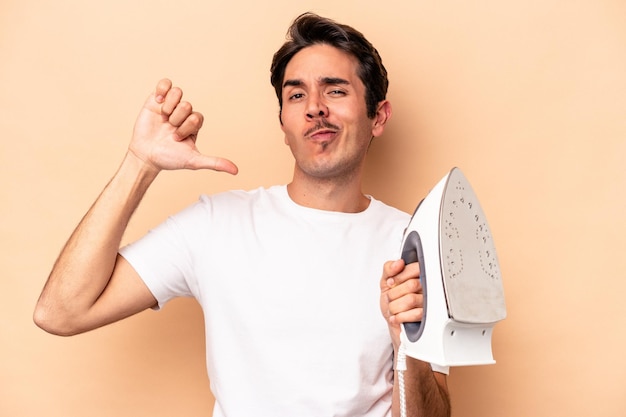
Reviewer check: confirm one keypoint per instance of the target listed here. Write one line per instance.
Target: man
(286, 275)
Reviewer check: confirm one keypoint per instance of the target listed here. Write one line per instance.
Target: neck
(328, 194)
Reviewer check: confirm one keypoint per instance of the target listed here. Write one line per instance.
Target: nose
(316, 108)
(310, 115)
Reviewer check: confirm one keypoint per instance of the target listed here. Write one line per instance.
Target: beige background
(527, 97)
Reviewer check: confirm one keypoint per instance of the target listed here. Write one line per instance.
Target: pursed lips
(322, 131)
(322, 135)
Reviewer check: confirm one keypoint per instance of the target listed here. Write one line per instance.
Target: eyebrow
(324, 80)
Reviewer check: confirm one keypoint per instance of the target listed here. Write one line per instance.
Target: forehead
(322, 60)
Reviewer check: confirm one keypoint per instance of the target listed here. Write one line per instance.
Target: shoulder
(378, 208)
(234, 203)
(237, 198)
(386, 221)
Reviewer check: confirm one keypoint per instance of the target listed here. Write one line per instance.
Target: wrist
(139, 167)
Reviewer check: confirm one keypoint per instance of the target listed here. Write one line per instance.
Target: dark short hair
(310, 29)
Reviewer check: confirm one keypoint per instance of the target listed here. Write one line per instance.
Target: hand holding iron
(165, 134)
(401, 298)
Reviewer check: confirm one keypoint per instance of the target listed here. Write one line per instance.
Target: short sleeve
(162, 257)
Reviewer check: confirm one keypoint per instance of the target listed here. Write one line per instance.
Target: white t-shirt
(290, 297)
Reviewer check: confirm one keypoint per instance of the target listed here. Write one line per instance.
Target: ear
(383, 114)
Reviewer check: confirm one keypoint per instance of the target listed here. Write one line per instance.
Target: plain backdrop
(527, 97)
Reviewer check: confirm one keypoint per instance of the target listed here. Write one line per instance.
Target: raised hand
(165, 134)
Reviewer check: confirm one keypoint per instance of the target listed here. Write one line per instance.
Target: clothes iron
(463, 294)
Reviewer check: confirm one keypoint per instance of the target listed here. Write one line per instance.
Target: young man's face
(324, 115)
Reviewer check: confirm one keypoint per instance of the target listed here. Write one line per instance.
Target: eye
(337, 92)
(296, 96)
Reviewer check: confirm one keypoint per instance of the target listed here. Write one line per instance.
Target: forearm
(426, 392)
(85, 265)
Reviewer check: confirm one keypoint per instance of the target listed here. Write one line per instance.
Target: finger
(390, 269)
(410, 316)
(406, 303)
(171, 100)
(189, 126)
(412, 286)
(200, 161)
(162, 87)
(180, 113)
(410, 271)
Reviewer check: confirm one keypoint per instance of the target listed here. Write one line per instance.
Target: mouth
(322, 132)
(322, 135)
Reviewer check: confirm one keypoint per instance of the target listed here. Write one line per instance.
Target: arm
(90, 284)
(401, 301)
